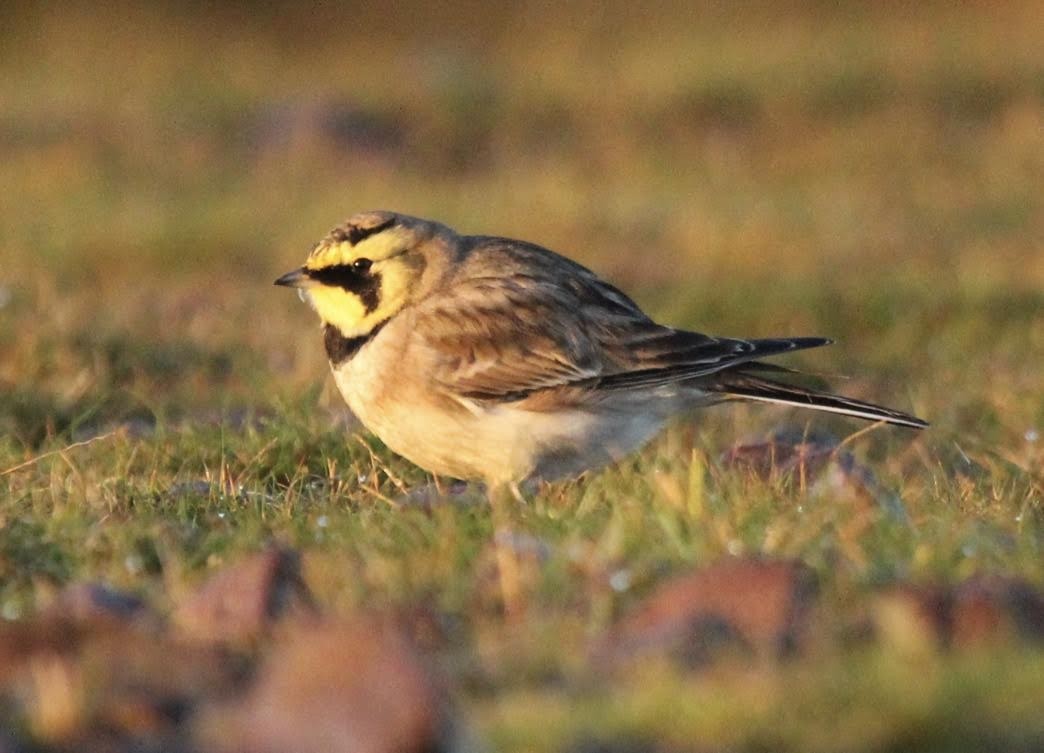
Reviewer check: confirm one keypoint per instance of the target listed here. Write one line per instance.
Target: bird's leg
(502, 498)
(516, 492)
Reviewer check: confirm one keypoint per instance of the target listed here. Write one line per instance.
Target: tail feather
(750, 387)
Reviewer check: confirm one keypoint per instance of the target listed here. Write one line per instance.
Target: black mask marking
(354, 234)
(340, 348)
(364, 283)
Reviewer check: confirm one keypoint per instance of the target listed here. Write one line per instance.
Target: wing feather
(501, 339)
(508, 335)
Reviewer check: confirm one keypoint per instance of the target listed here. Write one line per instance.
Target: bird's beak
(299, 278)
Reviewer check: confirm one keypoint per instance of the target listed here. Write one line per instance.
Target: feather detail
(749, 387)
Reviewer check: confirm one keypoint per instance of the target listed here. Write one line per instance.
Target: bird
(491, 359)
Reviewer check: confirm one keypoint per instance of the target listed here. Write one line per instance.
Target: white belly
(494, 442)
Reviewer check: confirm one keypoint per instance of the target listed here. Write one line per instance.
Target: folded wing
(506, 337)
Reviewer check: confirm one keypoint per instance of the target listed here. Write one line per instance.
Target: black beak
(296, 279)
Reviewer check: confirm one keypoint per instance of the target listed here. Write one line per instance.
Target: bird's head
(366, 269)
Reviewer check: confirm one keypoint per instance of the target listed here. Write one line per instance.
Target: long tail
(743, 385)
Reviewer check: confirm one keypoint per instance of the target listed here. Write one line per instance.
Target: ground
(870, 173)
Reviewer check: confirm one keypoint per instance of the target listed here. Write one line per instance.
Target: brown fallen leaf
(995, 609)
(356, 686)
(759, 605)
(19, 641)
(984, 610)
(240, 603)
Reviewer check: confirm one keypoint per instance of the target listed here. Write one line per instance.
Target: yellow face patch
(340, 308)
(357, 287)
(377, 247)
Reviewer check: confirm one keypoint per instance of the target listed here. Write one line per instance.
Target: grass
(868, 173)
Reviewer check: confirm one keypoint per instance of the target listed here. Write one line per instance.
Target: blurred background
(868, 171)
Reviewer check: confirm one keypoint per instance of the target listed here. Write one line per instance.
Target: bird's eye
(362, 265)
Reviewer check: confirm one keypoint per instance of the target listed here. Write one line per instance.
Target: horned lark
(483, 357)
